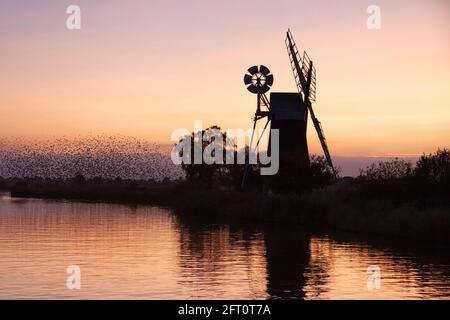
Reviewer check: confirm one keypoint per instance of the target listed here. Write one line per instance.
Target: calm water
(138, 252)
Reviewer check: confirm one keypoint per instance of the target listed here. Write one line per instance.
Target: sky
(146, 68)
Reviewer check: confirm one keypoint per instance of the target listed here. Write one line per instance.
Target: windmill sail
(305, 78)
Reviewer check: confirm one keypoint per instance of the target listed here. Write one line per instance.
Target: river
(144, 252)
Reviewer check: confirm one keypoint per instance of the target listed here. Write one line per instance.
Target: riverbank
(344, 206)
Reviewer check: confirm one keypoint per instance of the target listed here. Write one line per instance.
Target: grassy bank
(347, 205)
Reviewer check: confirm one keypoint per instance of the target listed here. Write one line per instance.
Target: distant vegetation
(393, 197)
(227, 176)
(218, 174)
(403, 182)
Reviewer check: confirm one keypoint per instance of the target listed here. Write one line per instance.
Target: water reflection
(143, 252)
(220, 262)
(409, 270)
(300, 264)
(287, 258)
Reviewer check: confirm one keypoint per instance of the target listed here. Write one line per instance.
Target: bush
(202, 172)
(321, 173)
(223, 174)
(386, 170)
(434, 167)
(425, 185)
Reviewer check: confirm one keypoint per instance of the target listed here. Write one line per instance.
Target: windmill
(287, 112)
(305, 79)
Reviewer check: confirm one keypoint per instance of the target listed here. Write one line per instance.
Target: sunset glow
(146, 68)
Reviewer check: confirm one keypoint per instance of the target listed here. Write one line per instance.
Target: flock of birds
(104, 156)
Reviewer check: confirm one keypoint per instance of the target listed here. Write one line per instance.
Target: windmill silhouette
(286, 111)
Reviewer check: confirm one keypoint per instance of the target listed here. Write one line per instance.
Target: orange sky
(146, 68)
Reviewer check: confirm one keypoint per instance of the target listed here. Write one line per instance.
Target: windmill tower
(288, 112)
